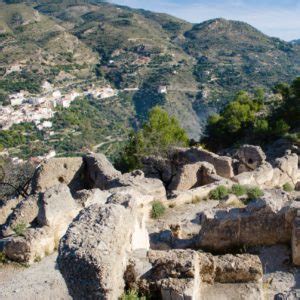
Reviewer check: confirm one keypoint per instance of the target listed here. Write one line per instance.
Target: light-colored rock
(88, 197)
(238, 268)
(32, 246)
(57, 171)
(251, 157)
(253, 225)
(193, 175)
(289, 165)
(100, 173)
(93, 254)
(57, 208)
(24, 213)
(6, 208)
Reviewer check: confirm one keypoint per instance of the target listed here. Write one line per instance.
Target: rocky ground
(42, 280)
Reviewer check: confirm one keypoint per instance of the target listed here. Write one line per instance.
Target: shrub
(219, 193)
(288, 187)
(158, 209)
(19, 229)
(132, 295)
(3, 259)
(238, 190)
(254, 193)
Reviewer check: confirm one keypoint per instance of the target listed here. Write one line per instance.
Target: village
(39, 109)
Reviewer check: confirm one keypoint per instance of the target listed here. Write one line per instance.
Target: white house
(162, 89)
(16, 99)
(47, 86)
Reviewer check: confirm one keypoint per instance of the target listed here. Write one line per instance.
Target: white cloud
(275, 18)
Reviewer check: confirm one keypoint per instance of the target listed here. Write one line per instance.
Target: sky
(278, 18)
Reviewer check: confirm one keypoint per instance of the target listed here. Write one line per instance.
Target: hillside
(137, 52)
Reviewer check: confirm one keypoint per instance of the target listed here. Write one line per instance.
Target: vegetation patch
(238, 190)
(20, 229)
(254, 193)
(287, 187)
(219, 193)
(158, 210)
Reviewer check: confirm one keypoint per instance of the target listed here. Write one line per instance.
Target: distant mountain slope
(202, 65)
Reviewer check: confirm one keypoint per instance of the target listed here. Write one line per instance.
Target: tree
(157, 137)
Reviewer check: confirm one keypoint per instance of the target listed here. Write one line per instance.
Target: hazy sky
(280, 18)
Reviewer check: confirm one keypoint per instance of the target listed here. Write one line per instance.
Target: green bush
(19, 229)
(254, 193)
(132, 295)
(238, 190)
(219, 193)
(288, 187)
(3, 258)
(158, 209)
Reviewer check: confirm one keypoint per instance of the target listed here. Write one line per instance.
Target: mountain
(296, 42)
(93, 42)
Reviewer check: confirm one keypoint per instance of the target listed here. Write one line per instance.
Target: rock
(24, 213)
(193, 175)
(86, 198)
(180, 171)
(238, 268)
(289, 165)
(94, 253)
(175, 273)
(251, 157)
(296, 240)
(57, 171)
(297, 186)
(32, 246)
(226, 229)
(100, 173)
(57, 208)
(6, 208)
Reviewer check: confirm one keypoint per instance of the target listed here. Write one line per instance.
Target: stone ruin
(99, 220)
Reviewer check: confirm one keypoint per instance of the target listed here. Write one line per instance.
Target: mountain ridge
(201, 65)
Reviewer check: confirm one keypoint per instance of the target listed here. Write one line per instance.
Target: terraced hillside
(138, 52)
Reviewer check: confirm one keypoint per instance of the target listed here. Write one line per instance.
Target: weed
(158, 209)
(219, 193)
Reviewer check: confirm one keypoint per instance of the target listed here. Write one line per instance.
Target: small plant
(158, 209)
(3, 258)
(19, 229)
(287, 187)
(254, 193)
(132, 295)
(37, 259)
(238, 190)
(219, 193)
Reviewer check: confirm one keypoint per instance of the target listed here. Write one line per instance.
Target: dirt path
(40, 281)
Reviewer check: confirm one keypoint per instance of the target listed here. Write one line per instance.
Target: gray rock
(251, 157)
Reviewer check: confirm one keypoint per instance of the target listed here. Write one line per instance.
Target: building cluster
(26, 108)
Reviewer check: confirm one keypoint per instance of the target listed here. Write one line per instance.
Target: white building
(16, 99)
(56, 94)
(162, 89)
(47, 86)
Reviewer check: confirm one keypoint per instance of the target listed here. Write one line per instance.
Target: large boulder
(94, 252)
(6, 208)
(67, 170)
(101, 174)
(185, 168)
(57, 208)
(250, 157)
(23, 215)
(193, 175)
(222, 230)
(288, 164)
(32, 246)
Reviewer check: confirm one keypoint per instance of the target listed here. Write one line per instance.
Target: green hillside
(202, 65)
